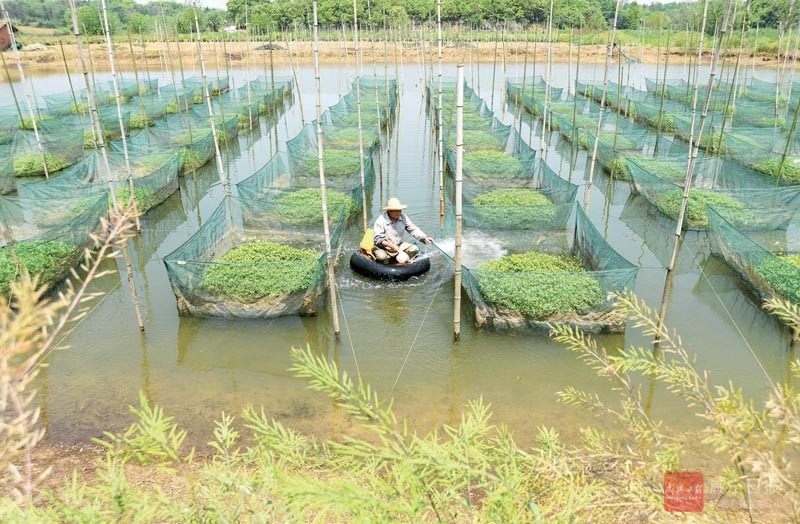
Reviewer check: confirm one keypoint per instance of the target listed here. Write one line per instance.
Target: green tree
(214, 21)
(89, 20)
(185, 22)
(631, 16)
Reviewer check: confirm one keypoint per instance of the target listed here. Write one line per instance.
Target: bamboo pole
(459, 210)
(320, 157)
(661, 98)
(296, 82)
(494, 65)
(25, 90)
(136, 79)
(115, 84)
(13, 91)
(573, 145)
(693, 149)
(66, 71)
(220, 168)
(440, 123)
(144, 59)
(543, 144)
(358, 109)
(101, 143)
(521, 103)
(611, 45)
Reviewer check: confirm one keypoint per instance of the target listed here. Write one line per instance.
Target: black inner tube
(370, 268)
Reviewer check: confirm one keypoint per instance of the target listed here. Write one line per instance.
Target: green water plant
(31, 164)
(782, 273)
(146, 198)
(772, 166)
(478, 140)
(669, 203)
(304, 207)
(259, 269)
(539, 285)
(140, 122)
(339, 163)
(510, 208)
(27, 123)
(49, 259)
(347, 138)
(491, 164)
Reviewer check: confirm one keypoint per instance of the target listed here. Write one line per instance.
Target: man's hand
(428, 240)
(392, 247)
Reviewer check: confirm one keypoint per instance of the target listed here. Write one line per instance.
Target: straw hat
(394, 205)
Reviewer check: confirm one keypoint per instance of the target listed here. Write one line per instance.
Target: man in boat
(389, 228)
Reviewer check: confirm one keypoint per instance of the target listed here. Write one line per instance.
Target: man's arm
(414, 231)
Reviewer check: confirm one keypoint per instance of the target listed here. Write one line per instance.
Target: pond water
(396, 337)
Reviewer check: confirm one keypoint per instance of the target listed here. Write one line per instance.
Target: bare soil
(159, 55)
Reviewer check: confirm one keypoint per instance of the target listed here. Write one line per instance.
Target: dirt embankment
(157, 56)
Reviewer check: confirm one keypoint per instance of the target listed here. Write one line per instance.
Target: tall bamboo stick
(358, 109)
(101, 143)
(66, 71)
(320, 157)
(115, 84)
(25, 89)
(459, 211)
(220, 167)
(440, 126)
(13, 91)
(611, 45)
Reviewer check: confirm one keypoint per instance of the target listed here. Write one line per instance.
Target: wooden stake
(588, 194)
(101, 143)
(320, 157)
(24, 89)
(459, 212)
(115, 84)
(358, 109)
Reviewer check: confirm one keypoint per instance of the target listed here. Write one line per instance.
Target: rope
(735, 325)
(347, 330)
(419, 330)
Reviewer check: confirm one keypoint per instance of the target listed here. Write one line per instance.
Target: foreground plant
(759, 443)
(29, 327)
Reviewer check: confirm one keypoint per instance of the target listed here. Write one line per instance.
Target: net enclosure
(262, 253)
(49, 237)
(533, 257)
(766, 260)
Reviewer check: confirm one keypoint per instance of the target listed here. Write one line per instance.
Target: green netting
(612, 146)
(762, 150)
(144, 110)
(155, 177)
(61, 147)
(266, 92)
(82, 124)
(189, 133)
(262, 254)
(178, 98)
(766, 260)
(341, 155)
(378, 103)
(736, 204)
(51, 252)
(64, 103)
(551, 271)
(244, 263)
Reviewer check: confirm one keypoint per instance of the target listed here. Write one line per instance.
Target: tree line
(270, 15)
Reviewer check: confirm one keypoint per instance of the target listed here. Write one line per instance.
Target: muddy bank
(157, 56)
